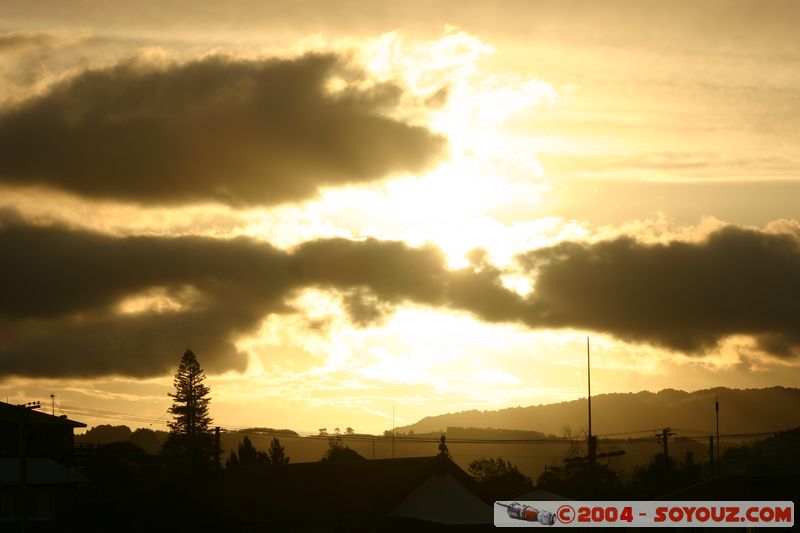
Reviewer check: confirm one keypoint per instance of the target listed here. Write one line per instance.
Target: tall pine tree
(190, 439)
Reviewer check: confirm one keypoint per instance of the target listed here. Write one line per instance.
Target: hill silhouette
(741, 411)
(147, 439)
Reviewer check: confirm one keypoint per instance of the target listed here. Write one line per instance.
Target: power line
(244, 430)
(113, 415)
(100, 411)
(129, 417)
(704, 432)
(628, 433)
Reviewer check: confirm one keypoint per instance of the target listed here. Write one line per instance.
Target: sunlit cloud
(530, 139)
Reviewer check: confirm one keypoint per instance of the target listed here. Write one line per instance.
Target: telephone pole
(666, 433)
(711, 454)
(217, 448)
(591, 441)
(589, 385)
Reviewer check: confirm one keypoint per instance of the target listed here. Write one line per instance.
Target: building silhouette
(37, 465)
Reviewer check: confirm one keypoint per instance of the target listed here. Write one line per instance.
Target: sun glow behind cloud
(420, 358)
(455, 206)
(452, 207)
(427, 361)
(488, 193)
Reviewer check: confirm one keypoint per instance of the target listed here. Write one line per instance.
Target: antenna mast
(589, 385)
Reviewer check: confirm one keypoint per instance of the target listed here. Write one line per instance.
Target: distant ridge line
(743, 411)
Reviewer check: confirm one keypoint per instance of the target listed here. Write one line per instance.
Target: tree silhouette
(232, 461)
(276, 453)
(500, 478)
(337, 451)
(248, 455)
(190, 439)
(664, 474)
(573, 480)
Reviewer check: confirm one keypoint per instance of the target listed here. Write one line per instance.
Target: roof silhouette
(11, 413)
(347, 491)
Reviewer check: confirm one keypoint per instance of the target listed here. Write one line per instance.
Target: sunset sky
(342, 207)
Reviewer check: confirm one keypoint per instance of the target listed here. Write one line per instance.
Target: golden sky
(343, 207)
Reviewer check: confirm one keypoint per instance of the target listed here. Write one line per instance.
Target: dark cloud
(683, 296)
(62, 289)
(216, 129)
(391, 270)
(364, 309)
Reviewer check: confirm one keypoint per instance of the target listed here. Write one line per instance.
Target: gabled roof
(12, 413)
(329, 491)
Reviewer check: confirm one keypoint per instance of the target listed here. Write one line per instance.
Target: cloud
(391, 270)
(679, 295)
(78, 303)
(30, 60)
(62, 292)
(215, 129)
(685, 296)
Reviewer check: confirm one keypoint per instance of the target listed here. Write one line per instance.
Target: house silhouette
(36, 453)
(417, 493)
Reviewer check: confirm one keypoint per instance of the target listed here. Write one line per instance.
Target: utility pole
(716, 408)
(589, 385)
(711, 454)
(591, 456)
(217, 448)
(666, 433)
(53, 404)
